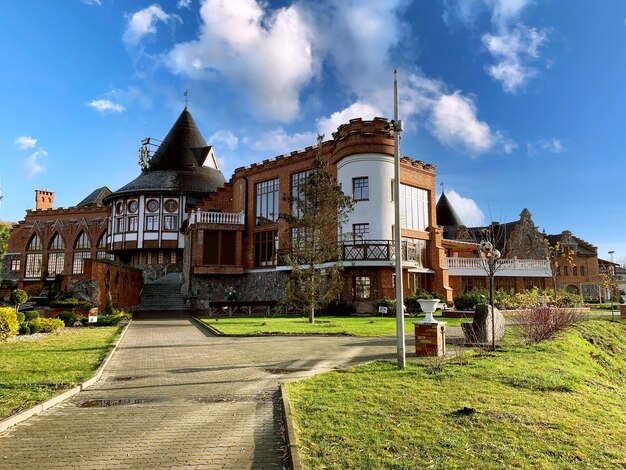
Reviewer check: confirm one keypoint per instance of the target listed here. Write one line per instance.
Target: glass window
(360, 188)
(416, 250)
(265, 248)
(297, 179)
(414, 208)
(82, 242)
(56, 263)
(57, 243)
(361, 231)
(575, 271)
(79, 256)
(15, 264)
(119, 224)
(102, 242)
(104, 255)
(267, 202)
(173, 257)
(170, 223)
(131, 223)
(33, 265)
(152, 223)
(362, 288)
(471, 283)
(531, 283)
(506, 284)
(35, 244)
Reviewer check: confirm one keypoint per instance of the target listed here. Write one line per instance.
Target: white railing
(513, 264)
(226, 218)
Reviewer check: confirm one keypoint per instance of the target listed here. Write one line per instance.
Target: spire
(446, 215)
(183, 148)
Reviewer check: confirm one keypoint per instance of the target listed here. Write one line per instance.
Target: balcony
(507, 267)
(372, 250)
(216, 218)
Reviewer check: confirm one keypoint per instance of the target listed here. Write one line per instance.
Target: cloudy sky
(519, 103)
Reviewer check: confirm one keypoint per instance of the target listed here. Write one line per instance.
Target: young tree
(558, 256)
(317, 208)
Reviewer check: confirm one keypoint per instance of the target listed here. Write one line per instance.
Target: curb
(265, 335)
(210, 329)
(290, 435)
(24, 415)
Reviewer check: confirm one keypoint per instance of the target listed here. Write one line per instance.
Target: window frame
(360, 287)
(363, 190)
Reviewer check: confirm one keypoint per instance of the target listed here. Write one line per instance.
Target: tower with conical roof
(447, 216)
(146, 214)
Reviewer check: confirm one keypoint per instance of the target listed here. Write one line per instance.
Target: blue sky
(519, 103)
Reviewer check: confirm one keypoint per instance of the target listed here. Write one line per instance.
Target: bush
(69, 318)
(71, 303)
(51, 325)
(31, 315)
(389, 303)
(35, 325)
(18, 297)
(542, 323)
(108, 308)
(106, 320)
(506, 300)
(21, 318)
(24, 329)
(9, 326)
(470, 299)
(566, 299)
(338, 307)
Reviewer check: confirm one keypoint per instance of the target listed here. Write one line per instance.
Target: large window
(267, 202)
(56, 256)
(506, 284)
(361, 232)
(82, 251)
(413, 208)
(152, 223)
(360, 188)
(362, 288)
(471, 283)
(416, 250)
(170, 223)
(297, 180)
(131, 223)
(34, 258)
(265, 248)
(531, 283)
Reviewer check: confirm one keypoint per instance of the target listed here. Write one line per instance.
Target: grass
(556, 404)
(34, 371)
(354, 326)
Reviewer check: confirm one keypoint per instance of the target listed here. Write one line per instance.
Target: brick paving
(182, 398)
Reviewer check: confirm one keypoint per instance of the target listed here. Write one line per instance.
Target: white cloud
(544, 146)
(105, 105)
(267, 55)
(143, 22)
(183, 4)
(512, 50)
(471, 215)
(92, 2)
(225, 137)
(278, 141)
(33, 165)
(25, 142)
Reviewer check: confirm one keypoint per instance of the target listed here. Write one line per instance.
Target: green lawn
(356, 326)
(33, 371)
(557, 404)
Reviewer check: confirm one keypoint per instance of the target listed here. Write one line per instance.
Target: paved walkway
(182, 398)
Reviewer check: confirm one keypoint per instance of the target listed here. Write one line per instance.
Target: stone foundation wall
(270, 285)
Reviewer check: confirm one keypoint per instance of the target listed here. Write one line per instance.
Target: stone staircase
(163, 294)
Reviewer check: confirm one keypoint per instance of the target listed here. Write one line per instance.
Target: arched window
(56, 256)
(82, 251)
(34, 258)
(102, 244)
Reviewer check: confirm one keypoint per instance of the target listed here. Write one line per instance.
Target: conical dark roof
(177, 165)
(183, 148)
(446, 215)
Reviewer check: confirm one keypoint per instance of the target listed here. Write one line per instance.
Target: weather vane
(144, 154)
(186, 95)
(442, 188)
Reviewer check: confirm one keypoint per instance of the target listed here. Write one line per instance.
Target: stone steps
(162, 296)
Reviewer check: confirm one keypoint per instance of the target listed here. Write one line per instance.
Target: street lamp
(490, 255)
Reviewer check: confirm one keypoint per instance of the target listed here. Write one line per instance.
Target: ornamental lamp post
(490, 256)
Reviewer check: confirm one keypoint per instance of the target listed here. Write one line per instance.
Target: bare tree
(558, 256)
(317, 208)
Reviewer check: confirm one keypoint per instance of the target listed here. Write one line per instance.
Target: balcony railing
(505, 264)
(369, 250)
(225, 218)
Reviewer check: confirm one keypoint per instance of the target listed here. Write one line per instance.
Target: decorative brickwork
(430, 339)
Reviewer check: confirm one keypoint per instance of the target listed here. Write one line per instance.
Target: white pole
(398, 232)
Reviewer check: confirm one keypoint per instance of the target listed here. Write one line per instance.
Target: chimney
(43, 199)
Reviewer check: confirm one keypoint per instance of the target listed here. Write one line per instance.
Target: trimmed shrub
(469, 300)
(24, 329)
(106, 320)
(35, 325)
(9, 326)
(69, 318)
(31, 315)
(71, 303)
(18, 297)
(108, 308)
(566, 299)
(21, 318)
(51, 325)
